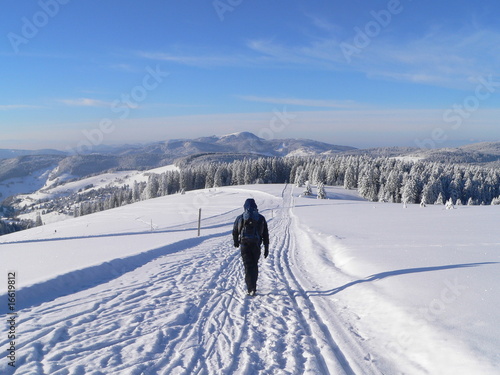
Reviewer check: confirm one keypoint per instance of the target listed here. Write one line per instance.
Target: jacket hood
(250, 204)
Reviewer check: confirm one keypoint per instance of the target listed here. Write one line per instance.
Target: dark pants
(250, 255)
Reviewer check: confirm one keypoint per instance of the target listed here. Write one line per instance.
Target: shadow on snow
(83, 279)
(114, 234)
(384, 275)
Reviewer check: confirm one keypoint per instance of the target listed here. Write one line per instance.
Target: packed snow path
(186, 313)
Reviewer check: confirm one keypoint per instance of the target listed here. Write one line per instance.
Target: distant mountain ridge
(243, 142)
(229, 147)
(486, 154)
(225, 148)
(13, 153)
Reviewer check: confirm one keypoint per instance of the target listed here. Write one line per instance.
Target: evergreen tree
(440, 199)
(186, 180)
(218, 177)
(469, 189)
(307, 189)
(152, 188)
(410, 191)
(162, 185)
(199, 179)
(173, 182)
(449, 204)
(136, 192)
(238, 173)
(321, 191)
(250, 173)
(392, 187)
(299, 177)
(209, 181)
(367, 184)
(350, 180)
(38, 220)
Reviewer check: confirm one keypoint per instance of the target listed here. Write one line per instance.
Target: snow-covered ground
(111, 179)
(350, 287)
(22, 185)
(41, 186)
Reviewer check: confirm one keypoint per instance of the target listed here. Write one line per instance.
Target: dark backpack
(250, 227)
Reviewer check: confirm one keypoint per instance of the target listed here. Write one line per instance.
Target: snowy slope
(114, 179)
(350, 287)
(22, 185)
(420, 284)
(47, 188)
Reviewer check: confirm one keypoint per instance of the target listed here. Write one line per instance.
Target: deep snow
(349, 287)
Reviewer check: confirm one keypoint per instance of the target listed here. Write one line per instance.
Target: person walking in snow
(249, 233)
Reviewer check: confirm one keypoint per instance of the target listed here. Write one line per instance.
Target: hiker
(250, 232)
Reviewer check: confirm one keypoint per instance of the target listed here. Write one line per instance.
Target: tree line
(381, 179)
(377, 179)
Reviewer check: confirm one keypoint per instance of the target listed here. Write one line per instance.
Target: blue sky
(77, 74)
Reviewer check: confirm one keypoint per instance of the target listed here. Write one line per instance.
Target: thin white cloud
(320, 53)
(123, 67)
(440, 57)
(323, 23)
(84, 102)
(340, 104)
(12, 107)
(197, 60)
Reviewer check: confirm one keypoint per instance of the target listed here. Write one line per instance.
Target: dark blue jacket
(262, 224)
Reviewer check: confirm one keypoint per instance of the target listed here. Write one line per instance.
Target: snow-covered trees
(440, 199)
(350, 178)
(299, 176)
(449, 204)
(152, 187)
(368, 185)
(321, 191)
(11, 226)
(381, 179)
(307, 189)
(38, 220)
(393, 186)
(377, 179)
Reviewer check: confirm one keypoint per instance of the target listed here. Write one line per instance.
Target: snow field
(417, 283)
(39, 186)
(22, 185)
(340, 293)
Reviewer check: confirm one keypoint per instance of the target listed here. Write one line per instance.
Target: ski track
(187, 313)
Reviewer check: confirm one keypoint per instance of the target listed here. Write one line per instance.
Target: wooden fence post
(199, 222)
